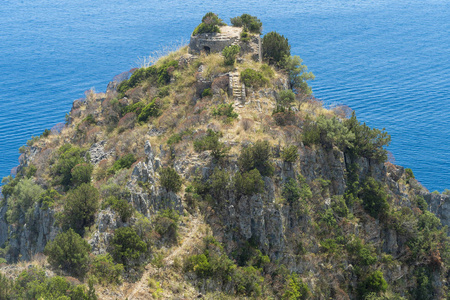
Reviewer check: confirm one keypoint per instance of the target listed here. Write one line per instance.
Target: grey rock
(97, 152)
(26, 240)
(439, 204)
(3, 225)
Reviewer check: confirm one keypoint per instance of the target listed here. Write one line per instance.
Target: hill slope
(197, 177)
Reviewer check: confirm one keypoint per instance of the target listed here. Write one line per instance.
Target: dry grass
(214, 65)
(165, 54)
(314, 107)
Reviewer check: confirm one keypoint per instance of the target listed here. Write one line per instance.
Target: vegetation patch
(229, 54)
(69, 252)
(170, 180)
(251, 23)
(275, 48)
(257, 156)
(253, 78)
(125, 162)
(211, 142)
(128, 247)
(210, 24)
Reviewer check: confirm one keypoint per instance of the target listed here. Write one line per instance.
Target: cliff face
(312, 215)
(440, 206)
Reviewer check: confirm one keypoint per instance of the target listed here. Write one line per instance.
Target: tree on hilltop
(275, 48)
(210, 24)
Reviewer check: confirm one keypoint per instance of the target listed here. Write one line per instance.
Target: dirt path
(140, 289)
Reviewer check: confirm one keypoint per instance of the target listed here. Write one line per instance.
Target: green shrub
(225, 110)
(105, 270)
(69, 252)
(289, 154)
(22, 149)
(46, 133)
(210, 24)
(23, 197)
(200, 265)
(174, 139)
(339, 206)
(124, 162)
(328, 219)
(127, 246)
(82, 173)
(275, 48)
(409, 174)
(33, 284)
(296, 289)
(247, 21)
(328, 132)
(428, 221)
(32, 140)
(363, 254)
(251, 256)
(212, 262)
(143, 228)
(6, 287)
(424, 288)
(69, 157)
(170, 180)
(286, 98)
(257, 156)
(220, 182)
(150, 110)
(166, 224)
(421, 203)
(253, 78)
(164, 73)
(249, 183)
(329, 246)
(211, 142)
(120, 206)
(113, 189)
(206, 93)
(298, 74)
(8, 185)
(374, 283)
(305, 190)
(160, 75)
(80, 207)
(229, 53)
(89, 119)
(164, 91)
(367, 142)
(137, 77)
(30, 171)
(245, 37)
(136, 108)
(248, 281)
(374, 197)
(48, 198)
(291, 190)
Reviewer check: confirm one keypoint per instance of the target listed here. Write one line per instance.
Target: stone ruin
(229, 35)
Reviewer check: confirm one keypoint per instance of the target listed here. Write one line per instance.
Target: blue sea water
(388, 60)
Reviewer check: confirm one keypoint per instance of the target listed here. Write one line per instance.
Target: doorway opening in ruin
(207, 49)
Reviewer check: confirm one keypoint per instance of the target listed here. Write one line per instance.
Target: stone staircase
(237, 88)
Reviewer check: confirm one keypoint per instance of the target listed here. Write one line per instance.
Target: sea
(387, 60)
